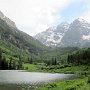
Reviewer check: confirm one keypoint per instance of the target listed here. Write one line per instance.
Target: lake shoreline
(71, 84)
(80, 83)
(11, 78)
(74, 84)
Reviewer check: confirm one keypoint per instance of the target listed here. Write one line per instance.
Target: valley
(64, 49)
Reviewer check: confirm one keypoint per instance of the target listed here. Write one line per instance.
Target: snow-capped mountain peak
(81, 20)
(76, 34)
(53, 35)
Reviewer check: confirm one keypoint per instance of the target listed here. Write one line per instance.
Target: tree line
(81, 57)
(52, 61)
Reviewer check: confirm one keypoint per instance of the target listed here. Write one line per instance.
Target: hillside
(14, 42)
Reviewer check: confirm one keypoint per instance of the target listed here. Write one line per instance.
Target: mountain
(53, 35)
(76, 34)
(14, 42)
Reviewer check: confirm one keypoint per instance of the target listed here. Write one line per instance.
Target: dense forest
(81, 57)
(69, 56)
(9, 64)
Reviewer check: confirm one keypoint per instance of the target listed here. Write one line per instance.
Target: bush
(71, 89)
(26, 68)
(52, 85)
(88, 81)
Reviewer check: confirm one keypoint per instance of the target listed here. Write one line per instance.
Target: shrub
(88, 81)
(71, 89)
(52, 85)
(26, 68)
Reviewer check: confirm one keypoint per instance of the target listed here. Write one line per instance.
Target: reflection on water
(7, 87)
(15, 87)
(15, 80)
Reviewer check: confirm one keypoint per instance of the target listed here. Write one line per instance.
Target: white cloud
(33, 16)
(86, 14)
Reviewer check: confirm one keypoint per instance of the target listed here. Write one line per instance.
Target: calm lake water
(17, 80)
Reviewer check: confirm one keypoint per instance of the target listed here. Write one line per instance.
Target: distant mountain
(76, 34)
(53, 35)
(16, 42)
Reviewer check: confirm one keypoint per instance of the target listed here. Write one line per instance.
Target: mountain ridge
(7, 20)
(65, 34)
(15, 42)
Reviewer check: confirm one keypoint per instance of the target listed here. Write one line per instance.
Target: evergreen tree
(10, 63)
(30, 60)
(20, 63)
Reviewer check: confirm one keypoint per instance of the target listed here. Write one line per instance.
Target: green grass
(57, 69)
(30, 67)
(74, 69)
(76, 84)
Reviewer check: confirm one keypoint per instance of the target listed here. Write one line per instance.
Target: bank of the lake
(81, 83)
(18, 80)
(75, 84)
(58, 69)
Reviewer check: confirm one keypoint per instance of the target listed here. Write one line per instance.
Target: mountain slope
(76, 34)
(7, 20)
(15, 41)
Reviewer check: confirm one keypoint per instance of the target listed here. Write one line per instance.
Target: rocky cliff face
(7, 20)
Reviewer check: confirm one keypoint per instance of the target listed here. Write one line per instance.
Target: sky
(35, 16)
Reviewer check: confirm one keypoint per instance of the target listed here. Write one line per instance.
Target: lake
(16, 80)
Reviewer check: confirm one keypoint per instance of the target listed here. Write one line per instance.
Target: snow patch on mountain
(54, 38)
(81, 20)
(53, 35)
(86, 37)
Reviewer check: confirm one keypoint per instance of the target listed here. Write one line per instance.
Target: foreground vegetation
(76, 84)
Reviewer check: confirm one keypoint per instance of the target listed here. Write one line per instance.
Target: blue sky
(73, 11)
(34, 16)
